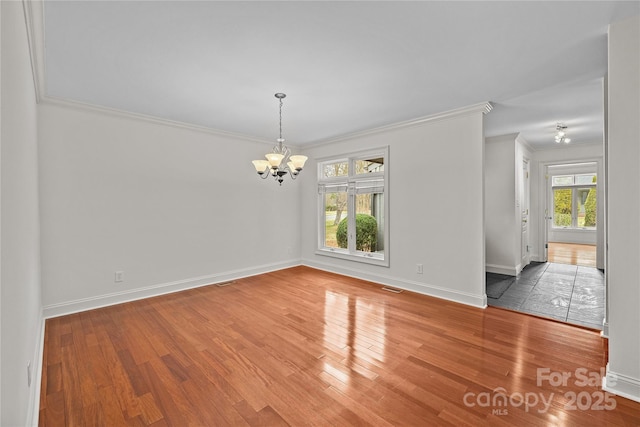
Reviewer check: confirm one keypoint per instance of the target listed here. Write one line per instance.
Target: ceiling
(345, 66)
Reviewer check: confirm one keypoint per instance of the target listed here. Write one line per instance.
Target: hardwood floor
(305, 347)
(571, 253)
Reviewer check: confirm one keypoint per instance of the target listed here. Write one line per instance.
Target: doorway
(562, 282)
(571, 213)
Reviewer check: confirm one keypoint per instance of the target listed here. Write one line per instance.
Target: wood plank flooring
(571, 253)
(303, 347)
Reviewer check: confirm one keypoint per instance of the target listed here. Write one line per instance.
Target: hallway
(570, 293)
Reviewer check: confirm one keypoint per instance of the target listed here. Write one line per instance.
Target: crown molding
(114, 112)
(522, 140)
(483, 107)
(34, 18)
(34, 21)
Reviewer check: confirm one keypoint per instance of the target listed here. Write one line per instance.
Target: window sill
(366, 258)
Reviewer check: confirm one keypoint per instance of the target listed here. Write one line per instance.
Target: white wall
(504, 156)
(623, 157)
(171, 207)
(502, 252)
(590, 152)
(436, 200)
(21, 318)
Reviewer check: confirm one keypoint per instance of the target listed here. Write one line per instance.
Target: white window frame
(574, 201)
(374, 182)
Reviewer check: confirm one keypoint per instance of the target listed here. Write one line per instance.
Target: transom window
(574, 201)
(353, 217)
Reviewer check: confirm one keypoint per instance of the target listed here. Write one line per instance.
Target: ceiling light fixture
(280, 154)
(561, 134)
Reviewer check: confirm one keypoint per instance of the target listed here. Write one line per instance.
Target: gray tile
(592, 322)
(518, 290)
(557, 305)
(587, 300)
(533, 271)
(495, 278)
(556, 278)
(563, 292)
(506, 302)
(556, 288)
(585, 312)
(557, 316)
(525, 281)
(591, 325)
(589, 281)
(590, 272)
(564, 269)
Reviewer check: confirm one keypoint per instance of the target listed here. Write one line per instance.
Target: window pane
(587, 207)
(335, 169)
(335, 212)
(585, 179)
(369, 165)
(370, 222)
(562, 180)
(562, 202)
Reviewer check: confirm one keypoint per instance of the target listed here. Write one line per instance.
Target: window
(574, 201)
(353, 220)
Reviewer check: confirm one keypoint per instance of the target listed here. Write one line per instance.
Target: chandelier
(561, 134)
(279, 156)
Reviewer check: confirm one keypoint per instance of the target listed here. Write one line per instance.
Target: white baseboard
(621, 385)
(421, 288)
(75, 306)
(605, 329)
(502, 269)
(33, 406)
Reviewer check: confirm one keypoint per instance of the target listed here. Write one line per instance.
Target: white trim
(33, 405)
(84, 304)
(502, 269)
(525, 144)
(479, 301)
(365, 257)
(621, 385)
(483, 107)
(605, 329)
(48, 100)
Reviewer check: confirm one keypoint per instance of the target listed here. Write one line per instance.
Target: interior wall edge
(33, 406)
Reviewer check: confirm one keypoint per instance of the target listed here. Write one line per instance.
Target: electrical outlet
(29, 373)
(419, 268)
(119, 276)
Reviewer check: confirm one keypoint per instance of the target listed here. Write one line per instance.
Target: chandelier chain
(281, 119)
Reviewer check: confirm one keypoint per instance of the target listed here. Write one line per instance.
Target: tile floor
(573, 294)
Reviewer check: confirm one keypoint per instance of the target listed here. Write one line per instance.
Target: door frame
(525, 204)
(544, 214)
